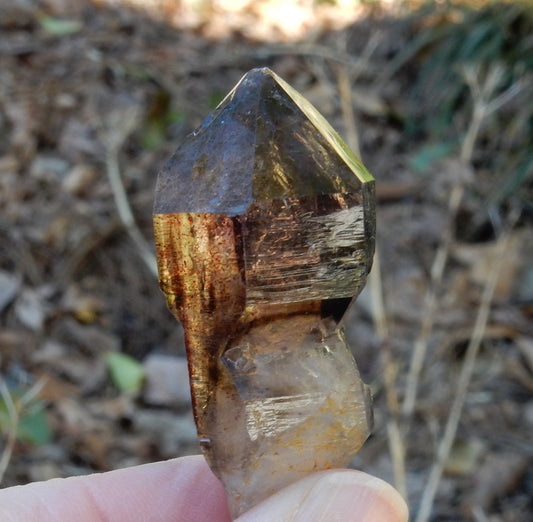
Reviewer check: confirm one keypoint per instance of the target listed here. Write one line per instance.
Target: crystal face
(264, 224)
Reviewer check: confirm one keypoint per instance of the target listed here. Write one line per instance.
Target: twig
(397, 451)
(32, 393)
(376, 292)
(430, 303)
(125, 213)
(14, 413)
(467, 368)
(345, 80)
(394, 437)
(484, 105)
(507, 95)
(113, 142)
(11, 435)
(350, 126)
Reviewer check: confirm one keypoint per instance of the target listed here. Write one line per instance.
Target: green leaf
(58, 26)
(33, 424)
(127, 373)
(34, 427)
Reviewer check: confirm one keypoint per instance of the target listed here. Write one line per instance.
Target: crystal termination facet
(264, 223)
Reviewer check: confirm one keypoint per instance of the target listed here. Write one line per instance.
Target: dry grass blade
(345, 91)
(430, 304)
(11, 435)
(32, 393)
(467, 368)
(484, 105)
(125, 213)
(14, 412)
(395, 441)
(113, 141)
(394, 436)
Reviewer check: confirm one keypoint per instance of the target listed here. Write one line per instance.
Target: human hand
(185, 490)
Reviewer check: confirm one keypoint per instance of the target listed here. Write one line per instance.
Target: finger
(333, 496)
(179, 490)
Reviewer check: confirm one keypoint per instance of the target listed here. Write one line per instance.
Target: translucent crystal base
(289, 402)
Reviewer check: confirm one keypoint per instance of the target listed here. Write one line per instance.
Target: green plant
(496, 37)
(22, 419)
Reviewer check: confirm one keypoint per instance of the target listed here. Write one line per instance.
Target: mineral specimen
(264, 224)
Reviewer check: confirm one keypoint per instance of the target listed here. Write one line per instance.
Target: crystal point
(264, 223)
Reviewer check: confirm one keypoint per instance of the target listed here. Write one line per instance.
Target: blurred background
(437, 99)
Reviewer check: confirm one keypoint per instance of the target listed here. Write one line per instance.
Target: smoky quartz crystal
(265, 224)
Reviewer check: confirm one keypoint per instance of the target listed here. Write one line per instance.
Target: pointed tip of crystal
(256, 77)
(258, 74)
(264, 141)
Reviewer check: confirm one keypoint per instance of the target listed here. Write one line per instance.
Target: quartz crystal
(264, 224)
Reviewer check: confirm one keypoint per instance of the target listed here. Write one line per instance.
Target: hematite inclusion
(264, 223)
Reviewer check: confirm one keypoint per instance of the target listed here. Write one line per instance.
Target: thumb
(337, 495)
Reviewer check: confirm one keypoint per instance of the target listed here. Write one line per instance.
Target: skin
(185, 490)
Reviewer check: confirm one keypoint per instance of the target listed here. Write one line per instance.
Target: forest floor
(437, 102)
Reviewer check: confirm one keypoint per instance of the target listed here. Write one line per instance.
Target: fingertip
(383, 501)
(337, 495)
(183, 489)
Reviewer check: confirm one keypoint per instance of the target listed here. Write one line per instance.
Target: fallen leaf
(127, 373)
(59, 26)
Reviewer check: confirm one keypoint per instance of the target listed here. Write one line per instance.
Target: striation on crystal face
(264, 223)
